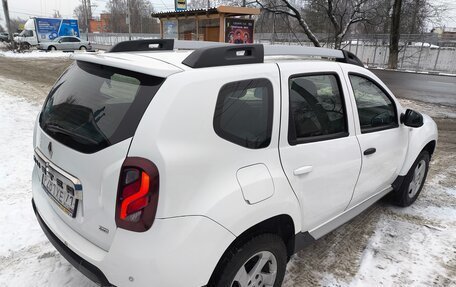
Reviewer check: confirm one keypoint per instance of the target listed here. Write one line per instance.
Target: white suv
(212, 164)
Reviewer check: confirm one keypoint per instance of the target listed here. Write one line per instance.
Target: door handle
(370, 151)
(303, 170)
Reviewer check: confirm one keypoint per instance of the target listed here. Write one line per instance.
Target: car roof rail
(225, 55)
(144, 45)
(212, 54)
(339, 55)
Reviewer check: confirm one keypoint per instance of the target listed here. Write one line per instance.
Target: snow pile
(35, 54)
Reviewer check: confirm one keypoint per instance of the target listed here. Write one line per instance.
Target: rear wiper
(55, 128)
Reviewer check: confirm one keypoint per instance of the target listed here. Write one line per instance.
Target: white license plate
(61, 193)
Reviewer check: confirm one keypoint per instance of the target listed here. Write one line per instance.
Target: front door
(318, 146)
(382, 140)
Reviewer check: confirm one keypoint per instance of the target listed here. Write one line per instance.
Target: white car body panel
(418, 138)
(179, 146)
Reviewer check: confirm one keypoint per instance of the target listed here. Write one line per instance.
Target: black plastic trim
(350, 58)
(225, 56)
(302, 240)
(398, 182)
(144, 45)
(86, 268)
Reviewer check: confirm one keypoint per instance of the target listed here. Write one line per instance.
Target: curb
(432, 73)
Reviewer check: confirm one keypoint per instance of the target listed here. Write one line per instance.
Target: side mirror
(412, 119)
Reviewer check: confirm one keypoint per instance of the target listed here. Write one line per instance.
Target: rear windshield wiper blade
(55, 128)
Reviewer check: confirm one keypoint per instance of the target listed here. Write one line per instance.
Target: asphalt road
(420, 87)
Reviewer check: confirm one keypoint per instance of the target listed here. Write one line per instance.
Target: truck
(38, 30)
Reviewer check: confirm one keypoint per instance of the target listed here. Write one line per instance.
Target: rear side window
(317, 110)
(243, 113)
(93, 106)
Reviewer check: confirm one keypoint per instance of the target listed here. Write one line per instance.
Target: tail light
(137, 194)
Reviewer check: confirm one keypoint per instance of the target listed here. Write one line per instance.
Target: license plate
(65, 191)
(61, 193)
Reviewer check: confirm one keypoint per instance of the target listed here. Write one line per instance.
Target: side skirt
(304, 239)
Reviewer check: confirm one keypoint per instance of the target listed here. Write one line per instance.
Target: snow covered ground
(385, 246)
(35, 54)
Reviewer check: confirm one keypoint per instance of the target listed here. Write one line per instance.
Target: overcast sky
(29, 8)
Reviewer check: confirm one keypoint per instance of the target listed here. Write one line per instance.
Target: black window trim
(234, 139)
(296, 141)
(396, 114)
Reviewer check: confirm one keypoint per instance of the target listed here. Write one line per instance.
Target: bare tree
(81, 15)
(284, 7)
(56, 14)
(141, 19)
(341, 14)
(17, 24)
(395, 34)
(202, 4)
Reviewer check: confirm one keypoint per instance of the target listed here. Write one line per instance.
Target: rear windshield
(93, 106)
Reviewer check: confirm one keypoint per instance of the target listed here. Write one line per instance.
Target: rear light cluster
(137, 194)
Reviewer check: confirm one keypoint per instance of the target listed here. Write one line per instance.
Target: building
(218, 24)
(100, 25)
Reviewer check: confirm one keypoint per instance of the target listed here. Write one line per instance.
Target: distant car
(66, 43)
(4, 37)
(426, 45)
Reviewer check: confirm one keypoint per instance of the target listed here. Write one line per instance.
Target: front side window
(317, 109)
(243, 113)
(376, 110)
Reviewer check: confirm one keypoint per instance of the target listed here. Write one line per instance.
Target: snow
(35, 54)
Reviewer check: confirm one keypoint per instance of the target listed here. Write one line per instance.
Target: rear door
(318, 146)
(85, 130)
(382, 139)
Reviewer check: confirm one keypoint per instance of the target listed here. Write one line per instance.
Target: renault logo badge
(50, 149)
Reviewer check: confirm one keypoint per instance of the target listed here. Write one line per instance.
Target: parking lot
(384, 246)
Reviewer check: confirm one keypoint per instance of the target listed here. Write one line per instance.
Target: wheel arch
(423, 138)
(281, 225)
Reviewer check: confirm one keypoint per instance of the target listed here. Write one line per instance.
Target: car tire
(83, 48)
(52, 48)
(413, 182)
(259, 262)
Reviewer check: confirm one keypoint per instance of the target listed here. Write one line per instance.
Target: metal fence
(109, 39)
(420, 52)
(423, 52)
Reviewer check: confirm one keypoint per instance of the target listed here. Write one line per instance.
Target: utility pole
(129, 19)
(8, 23)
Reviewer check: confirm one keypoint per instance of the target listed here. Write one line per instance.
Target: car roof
(163, 60)
(141, 62)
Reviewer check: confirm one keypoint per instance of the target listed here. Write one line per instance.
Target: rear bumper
(189, 246)
(86, 268)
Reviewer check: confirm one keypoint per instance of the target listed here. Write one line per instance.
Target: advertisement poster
(239, 31)
(170, 29)
(50, 28)
(180, 5)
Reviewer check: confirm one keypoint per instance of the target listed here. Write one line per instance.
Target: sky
(29, 8)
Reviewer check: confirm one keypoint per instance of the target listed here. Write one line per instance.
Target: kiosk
(219, 24)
